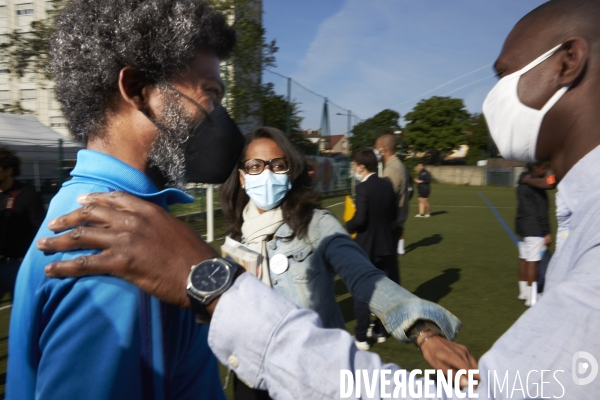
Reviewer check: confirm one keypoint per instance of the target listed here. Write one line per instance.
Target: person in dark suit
(373, 223)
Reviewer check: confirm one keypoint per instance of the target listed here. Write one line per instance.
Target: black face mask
(213, 149)
(214, 146)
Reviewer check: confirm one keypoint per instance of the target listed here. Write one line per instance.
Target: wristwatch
(207, 281)
(422, 326)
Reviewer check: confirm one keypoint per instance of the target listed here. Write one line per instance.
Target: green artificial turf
(461, 258)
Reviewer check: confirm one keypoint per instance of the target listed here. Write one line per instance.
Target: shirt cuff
(245, 319)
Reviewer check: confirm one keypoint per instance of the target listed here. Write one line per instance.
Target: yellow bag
(349, 211)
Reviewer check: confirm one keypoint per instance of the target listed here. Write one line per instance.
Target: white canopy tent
(43, 151)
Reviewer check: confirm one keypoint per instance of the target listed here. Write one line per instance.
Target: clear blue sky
(370, 55)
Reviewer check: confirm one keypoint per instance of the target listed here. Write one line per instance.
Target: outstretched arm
(274, 346)
(138, 239)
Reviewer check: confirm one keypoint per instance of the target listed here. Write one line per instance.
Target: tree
(27, 52)
(436, 127)
(366, 132)
(274, 109)
(481, 145)
(251, 55)
(14, 108)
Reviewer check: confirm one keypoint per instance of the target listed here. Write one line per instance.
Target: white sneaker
(364, 346)
(528, 296)
(427, 216)
(401, 246)
(534, 294)
(522, 289)
(381, 337)
(418, 216)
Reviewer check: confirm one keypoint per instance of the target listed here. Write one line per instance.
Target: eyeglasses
(254, 166)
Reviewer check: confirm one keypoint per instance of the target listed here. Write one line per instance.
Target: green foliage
(366, 132)
(27, 52)
(251, 55)
(478, 139)
(14, 108)
(274, 114)
(436, 127)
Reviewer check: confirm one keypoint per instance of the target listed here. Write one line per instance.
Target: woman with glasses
(271, 207)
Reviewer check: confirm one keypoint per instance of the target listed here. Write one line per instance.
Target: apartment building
(36, 93)
(33, 91)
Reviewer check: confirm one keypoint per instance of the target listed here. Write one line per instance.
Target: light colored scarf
(256, 230)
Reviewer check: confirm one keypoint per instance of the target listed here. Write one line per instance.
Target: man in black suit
(373, 223)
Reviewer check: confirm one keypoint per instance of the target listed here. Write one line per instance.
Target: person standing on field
(395, 170)
(423, 180)
(21, 214)
(373, 223)
(534, 229)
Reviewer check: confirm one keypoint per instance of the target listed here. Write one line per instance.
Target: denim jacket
(326, 251)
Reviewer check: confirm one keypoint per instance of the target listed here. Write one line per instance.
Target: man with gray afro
(135, 79)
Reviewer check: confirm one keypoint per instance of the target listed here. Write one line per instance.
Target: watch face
(210, 276)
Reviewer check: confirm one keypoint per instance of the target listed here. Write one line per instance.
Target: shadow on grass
(437, 288)
(428, 241)
(433, 214)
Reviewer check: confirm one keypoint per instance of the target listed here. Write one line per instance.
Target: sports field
(462, 258)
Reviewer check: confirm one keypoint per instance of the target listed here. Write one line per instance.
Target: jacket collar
(284, 231)
(96, 167)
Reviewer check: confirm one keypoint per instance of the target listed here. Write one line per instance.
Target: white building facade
(33, 91)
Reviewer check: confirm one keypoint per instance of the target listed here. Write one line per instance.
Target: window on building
(3, 19)
(4, 96)
(58, 122)
(28, 95)
(25, 9)
(24, 14)
(344, 145)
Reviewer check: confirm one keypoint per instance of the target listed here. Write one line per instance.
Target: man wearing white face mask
(531, 116)
(552, 351)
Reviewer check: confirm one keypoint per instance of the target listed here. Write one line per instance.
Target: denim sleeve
(397, 308)
(272, 345)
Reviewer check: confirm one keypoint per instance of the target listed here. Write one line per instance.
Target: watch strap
(422, 326)
(200, 309)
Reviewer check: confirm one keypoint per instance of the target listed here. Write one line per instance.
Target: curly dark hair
(9, 159)
(299, 203)
(95, 39)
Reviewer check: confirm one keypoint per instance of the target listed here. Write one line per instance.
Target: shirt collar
(95, 167)
(580, 179)
(367, 177)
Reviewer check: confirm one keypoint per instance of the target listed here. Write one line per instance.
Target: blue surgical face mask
(267, 190)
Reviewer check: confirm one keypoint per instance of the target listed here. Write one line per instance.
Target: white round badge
(278, 264)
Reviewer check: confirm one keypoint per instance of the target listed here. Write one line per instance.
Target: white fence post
(210, 214)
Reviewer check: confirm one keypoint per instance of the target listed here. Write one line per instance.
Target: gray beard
(167, 152)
